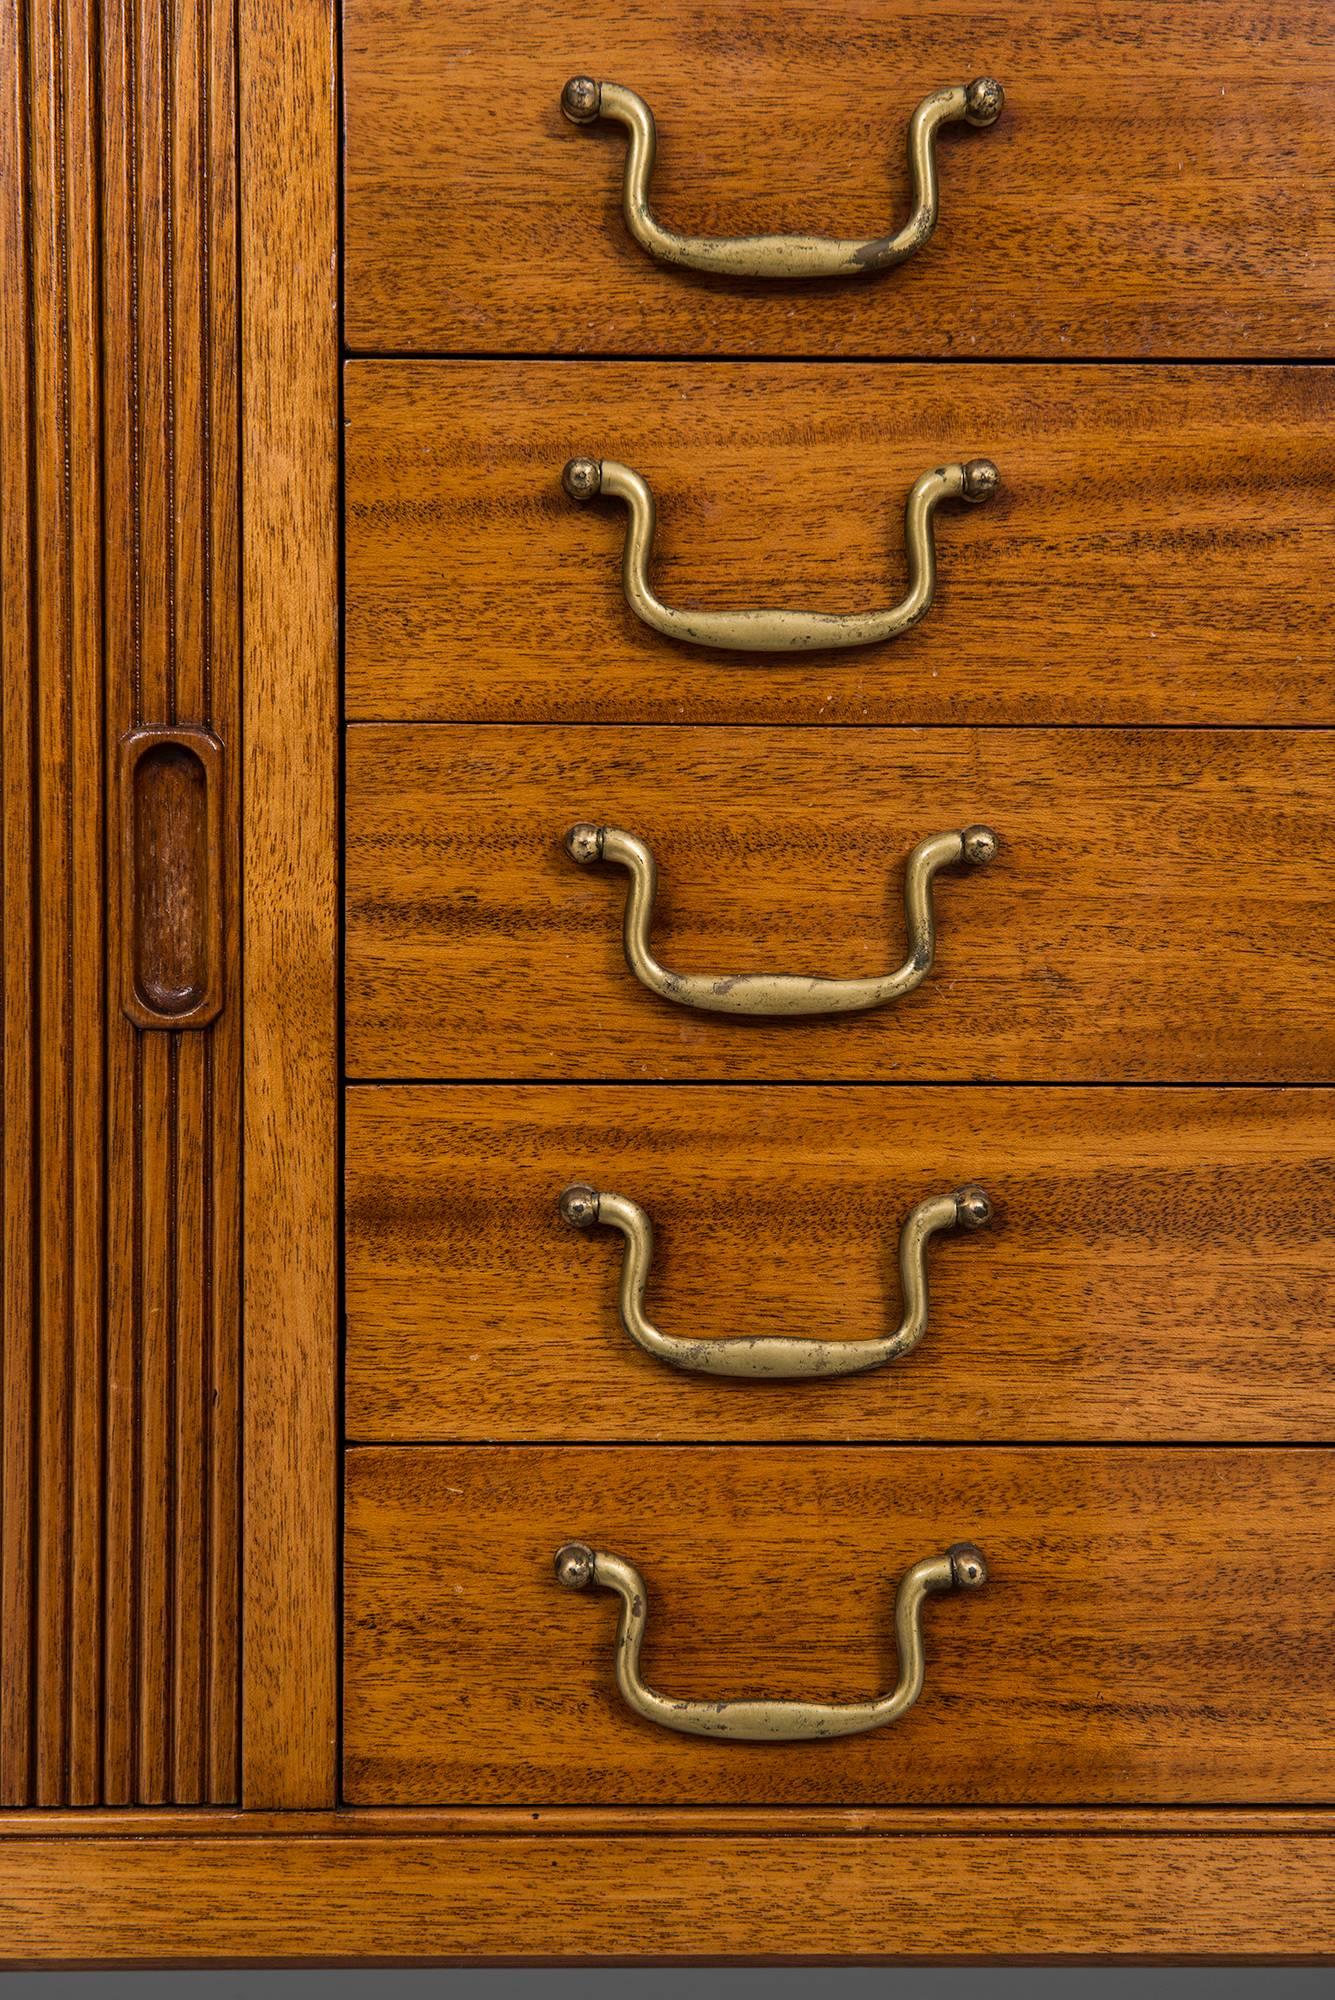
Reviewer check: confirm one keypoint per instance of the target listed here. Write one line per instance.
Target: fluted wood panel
(118, 1644)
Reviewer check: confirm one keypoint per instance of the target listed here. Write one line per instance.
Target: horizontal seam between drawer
(430, 1442)
(641, 356)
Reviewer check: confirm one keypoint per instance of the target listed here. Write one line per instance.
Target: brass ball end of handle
(582, 478)
(981, 479)
(980, 845)
(968, 1566)
(578, 1205)
(973, 1207)
(584, 843)
(984, 98)
(582, 100)
(574, 1565)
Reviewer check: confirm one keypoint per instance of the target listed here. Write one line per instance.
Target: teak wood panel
(118, 205)
(1159, 1627)
(1157, 553)
(1160, 1264)
(1157, 183)
(353, 1890)
(1160, 908)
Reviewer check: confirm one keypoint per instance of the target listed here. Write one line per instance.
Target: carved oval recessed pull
(584, 100)
(960, 1568)
(171, 877)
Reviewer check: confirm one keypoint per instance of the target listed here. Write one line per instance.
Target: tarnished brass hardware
(780, 1357)
(961, 1568)
(760, 630)
(978, 103)
(779, 993)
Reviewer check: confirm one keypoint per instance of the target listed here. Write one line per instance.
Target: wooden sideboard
(310, 664)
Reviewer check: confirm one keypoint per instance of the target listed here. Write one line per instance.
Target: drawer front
(1159, 1264)
(1160, 907)
(1157, 183)
(1157, 551)
(1158, 1627)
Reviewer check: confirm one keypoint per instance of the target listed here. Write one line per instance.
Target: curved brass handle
(781, 1357)
(772, 994)
(961, 1568)
(762, 630)
(978, 103)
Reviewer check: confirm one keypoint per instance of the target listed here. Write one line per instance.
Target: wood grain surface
(1157, 1629)
(1160, 907)
(1160, 1264)
(1157, 183)
(1157, 553)
(757, 1897)
(290, 245)
(119, 422)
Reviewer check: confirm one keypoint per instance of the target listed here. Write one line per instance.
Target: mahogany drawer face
(1160, 907)
(1176, 527)
(1157, 183)
(1159, 1264)
(1158, 1627)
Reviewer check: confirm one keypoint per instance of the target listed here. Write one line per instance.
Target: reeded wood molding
(121, 1284)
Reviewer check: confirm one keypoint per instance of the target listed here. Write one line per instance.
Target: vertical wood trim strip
(154, 532)
(220, 366)
(87, 939)
(121, 549)
(289, 182)
(119, 569)
(188, 223)
(152, 1553)
(17, 923)
(51, 335)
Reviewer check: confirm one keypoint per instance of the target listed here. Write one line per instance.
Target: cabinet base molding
(553, 1887)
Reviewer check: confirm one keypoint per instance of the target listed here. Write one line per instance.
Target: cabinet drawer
(1158, 1627)
(1157, 182)
(1160, 1264)
(1176, 525)
(1159, 909)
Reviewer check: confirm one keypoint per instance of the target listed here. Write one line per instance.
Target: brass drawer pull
(760, 629)
(961, 1568)
(777, 1356)
(978, 103)
(772, 994)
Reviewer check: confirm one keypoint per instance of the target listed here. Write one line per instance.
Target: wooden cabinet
(504, 705)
